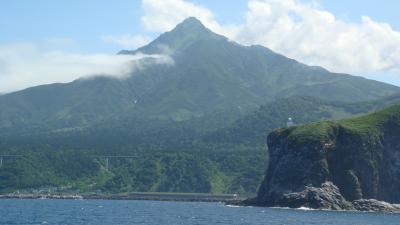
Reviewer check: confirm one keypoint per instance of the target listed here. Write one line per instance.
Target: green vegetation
(186, 156)
(255, 126)
(209, 74)
(321, 131)
(80, 171)
(368, 126)
(197, 125)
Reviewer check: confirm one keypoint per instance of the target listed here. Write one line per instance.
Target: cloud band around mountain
(25, 65)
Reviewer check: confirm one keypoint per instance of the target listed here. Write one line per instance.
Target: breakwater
(155, 196)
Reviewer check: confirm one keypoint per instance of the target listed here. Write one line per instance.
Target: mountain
(197, 124)
(210, 74)
(213, 73)
(360, 156)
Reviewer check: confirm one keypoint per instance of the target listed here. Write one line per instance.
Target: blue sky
(87, 27)
(85, 21)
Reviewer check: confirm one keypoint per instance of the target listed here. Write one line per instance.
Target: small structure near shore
(289, 122)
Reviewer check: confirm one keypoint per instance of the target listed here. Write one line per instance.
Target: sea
(97, 212)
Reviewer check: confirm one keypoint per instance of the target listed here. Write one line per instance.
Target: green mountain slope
(188, 114)
(67, 170)
(168, 151)
(255, 126)
(210, 73)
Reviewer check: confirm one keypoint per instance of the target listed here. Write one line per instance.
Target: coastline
(183, 197)
(360, 205)
(228, 199)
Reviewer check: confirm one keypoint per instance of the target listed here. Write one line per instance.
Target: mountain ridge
(166, 113)
(187, 32)
(210, 74)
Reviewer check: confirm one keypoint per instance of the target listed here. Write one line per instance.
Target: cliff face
(361, 156)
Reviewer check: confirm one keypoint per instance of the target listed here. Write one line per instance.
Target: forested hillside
(195, 124)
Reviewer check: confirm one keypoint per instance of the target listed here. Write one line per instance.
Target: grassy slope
(367, 126)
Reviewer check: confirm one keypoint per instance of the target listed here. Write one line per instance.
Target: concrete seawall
(190, 197)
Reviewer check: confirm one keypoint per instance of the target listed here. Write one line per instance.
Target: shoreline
(177, 197)
(168, 197)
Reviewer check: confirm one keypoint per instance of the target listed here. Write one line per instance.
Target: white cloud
(296, 29)
(317, 37)
(161, 16)
(127, 41)
(26, 65)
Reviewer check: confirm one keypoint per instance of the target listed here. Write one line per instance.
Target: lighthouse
(289, 122)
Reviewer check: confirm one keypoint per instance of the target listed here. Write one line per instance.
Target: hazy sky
(358, 37)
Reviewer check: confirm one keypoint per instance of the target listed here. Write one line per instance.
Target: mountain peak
(191, 22)
(184, 34)
(191, 28)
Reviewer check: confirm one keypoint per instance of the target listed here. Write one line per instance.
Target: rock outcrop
(373, 205)
(327, 165)
(325, 197)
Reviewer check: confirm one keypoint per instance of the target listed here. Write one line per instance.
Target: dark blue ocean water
(97, 212)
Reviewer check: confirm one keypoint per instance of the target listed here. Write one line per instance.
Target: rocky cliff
(360, 156)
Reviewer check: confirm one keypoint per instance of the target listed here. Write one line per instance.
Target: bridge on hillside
(3, 158)
(108, 158)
